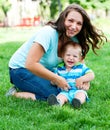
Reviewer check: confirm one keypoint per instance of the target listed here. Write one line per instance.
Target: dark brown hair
(88, 35)
(72, 43)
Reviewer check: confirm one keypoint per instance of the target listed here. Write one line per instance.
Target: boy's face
(72, 56)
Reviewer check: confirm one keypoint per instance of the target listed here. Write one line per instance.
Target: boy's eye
(74, 56)
(68, 54)
(70, 20)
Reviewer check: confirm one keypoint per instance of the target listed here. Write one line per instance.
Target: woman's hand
(62, 83)
(86, 86)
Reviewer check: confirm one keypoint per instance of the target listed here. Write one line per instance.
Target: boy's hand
(79, 83)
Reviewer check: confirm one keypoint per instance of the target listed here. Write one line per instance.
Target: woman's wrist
(55, 79)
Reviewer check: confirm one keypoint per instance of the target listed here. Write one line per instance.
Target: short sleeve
(86, 69)
(44, 36)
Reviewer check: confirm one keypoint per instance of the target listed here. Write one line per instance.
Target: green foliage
(54, 8)
(97, 4)
(21, 114)
(5, 6)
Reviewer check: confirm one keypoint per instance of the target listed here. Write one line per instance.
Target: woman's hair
(88, 35)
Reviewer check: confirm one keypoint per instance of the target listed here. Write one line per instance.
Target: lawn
(21, 114)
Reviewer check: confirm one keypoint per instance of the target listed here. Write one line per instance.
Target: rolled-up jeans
(26, 81)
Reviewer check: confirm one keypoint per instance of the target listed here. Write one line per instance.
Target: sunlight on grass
(16, 34)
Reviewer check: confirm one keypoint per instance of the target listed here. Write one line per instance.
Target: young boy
(76, 73)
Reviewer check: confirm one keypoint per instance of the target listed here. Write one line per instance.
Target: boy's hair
(72, 43)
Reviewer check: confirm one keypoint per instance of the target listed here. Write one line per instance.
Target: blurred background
(36, 12)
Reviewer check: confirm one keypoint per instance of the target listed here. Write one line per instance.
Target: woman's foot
(11, 91)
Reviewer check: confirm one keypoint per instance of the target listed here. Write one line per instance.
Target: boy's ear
(82, 57)
(82, 61)
(62, 55)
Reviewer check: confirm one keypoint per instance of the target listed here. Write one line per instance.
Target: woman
(31, 65)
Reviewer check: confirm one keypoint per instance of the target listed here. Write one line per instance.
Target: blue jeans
(26, 81)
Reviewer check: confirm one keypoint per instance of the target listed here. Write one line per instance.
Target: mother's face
(73, 23)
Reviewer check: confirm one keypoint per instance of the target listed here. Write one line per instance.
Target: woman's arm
(84, 81)
(32, 64)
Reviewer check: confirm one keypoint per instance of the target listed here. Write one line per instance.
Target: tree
(55, 7)
(5, 6)
(94, 4)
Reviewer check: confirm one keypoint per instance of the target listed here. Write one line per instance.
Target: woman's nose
(74, 25)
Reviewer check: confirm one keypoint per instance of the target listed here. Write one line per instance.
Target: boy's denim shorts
(26, 81)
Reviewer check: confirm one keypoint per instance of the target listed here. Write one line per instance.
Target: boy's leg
(52, 100)
(56, 100)
(79, 98)
(62, 98)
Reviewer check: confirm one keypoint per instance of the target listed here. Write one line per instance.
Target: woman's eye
(70, 20)
(79, 23)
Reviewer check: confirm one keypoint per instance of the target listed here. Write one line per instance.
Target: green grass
(21, 114)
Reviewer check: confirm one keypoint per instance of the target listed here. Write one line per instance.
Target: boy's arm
(83, 81)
